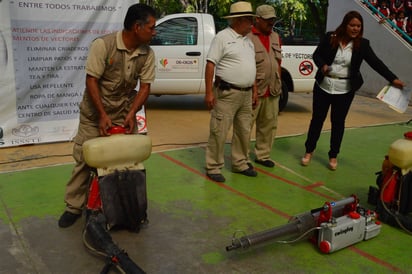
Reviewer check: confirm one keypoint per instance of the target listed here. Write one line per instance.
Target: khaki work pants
(233, 108)
(265, 116)
(77, 186)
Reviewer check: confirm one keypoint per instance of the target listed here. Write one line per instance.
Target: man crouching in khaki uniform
(115, 64)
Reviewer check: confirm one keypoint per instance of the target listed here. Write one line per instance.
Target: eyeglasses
(246, 18)
(269, 20)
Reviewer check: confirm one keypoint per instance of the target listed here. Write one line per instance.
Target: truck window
(176, 32)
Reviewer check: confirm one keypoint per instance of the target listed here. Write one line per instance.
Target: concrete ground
(193, 219)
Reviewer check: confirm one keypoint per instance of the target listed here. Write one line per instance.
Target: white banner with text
(43, 50)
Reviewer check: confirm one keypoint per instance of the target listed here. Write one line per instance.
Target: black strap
(223, 85)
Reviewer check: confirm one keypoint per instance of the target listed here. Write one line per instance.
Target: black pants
(339, 105)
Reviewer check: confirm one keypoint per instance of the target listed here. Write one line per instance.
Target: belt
(223, 85)
(241, 89)
(336, 77)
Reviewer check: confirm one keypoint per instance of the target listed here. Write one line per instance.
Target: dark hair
(340, 32)
(138, 13)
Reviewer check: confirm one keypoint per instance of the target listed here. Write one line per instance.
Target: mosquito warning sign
(306, 67)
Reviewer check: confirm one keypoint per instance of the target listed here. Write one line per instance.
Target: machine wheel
(283, 100)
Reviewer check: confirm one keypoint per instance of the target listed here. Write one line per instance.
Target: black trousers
(339, 105)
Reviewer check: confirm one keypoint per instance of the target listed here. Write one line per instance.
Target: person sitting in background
(375, 4)
(408, 8)
(383, 8)
(392, 19)
(396, 6)
(401, 21)
(408, 27)
(388, 15)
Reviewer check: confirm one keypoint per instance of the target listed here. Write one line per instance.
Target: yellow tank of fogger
(400, 153)
(118, 151)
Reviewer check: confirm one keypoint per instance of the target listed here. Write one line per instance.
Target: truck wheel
(283, 100)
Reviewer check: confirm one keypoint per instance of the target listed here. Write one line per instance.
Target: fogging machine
(333, 226)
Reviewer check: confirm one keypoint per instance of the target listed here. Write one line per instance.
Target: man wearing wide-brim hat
(239, 9)
(232, 58)
(268, 82)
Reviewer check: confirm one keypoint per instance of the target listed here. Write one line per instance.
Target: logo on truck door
(306, 67)
(178, 65)
(163, 62)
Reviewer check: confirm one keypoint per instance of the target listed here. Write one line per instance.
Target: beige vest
(117, 92)
(267, 64)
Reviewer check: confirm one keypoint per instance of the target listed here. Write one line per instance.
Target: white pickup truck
(181, 45)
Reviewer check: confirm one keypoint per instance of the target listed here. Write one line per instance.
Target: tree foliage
(293, 14)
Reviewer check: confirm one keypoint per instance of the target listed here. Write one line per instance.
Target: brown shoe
(333, 164)
(306, 159)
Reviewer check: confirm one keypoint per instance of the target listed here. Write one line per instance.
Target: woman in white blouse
(338, 57)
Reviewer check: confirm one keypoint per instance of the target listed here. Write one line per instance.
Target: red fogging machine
(331, 227)
(117, 194)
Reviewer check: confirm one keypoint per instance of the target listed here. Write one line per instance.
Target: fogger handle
(336, 205)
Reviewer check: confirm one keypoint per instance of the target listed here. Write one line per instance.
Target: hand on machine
(331, 227)
(116, 130)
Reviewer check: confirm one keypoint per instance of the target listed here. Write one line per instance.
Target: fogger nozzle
(297, 225)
